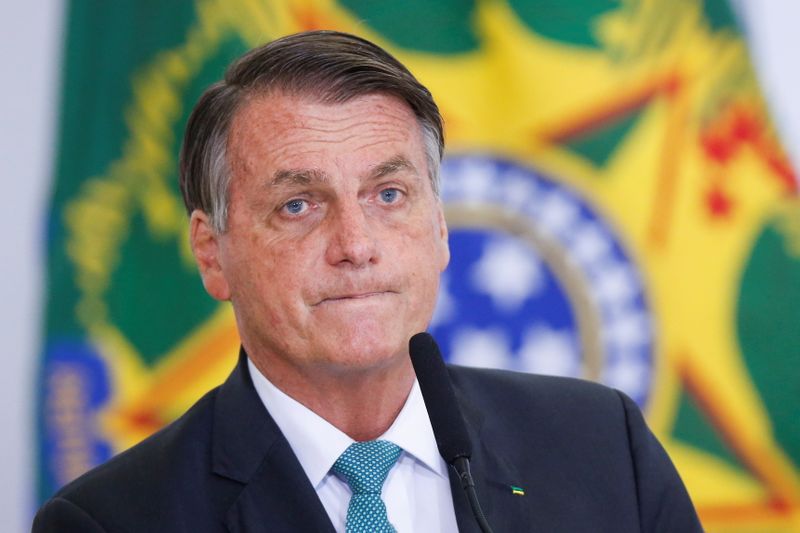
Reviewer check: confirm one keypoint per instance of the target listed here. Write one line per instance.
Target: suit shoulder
(507, 387)
(59, 514)
(146, 473)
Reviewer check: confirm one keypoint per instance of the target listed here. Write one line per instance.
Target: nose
(351, 239)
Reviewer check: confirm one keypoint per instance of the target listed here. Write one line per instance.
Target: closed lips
(354, 296)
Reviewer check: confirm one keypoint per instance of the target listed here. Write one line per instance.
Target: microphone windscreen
(440, 400)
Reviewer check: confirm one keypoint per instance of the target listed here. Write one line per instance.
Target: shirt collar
(412, 431)
(317, 443)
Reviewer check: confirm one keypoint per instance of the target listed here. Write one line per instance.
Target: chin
(367, 349)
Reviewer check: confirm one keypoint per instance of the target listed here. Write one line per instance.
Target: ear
(443, 244)
(206, 249)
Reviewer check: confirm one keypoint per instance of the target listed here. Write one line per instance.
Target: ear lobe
(205, 247)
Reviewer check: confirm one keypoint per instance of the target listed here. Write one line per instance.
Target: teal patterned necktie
(365, 465)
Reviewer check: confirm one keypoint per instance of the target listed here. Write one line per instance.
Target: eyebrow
(304, 176)
(391, 166)
(307, 176)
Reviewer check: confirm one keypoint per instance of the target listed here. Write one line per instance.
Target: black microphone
(447, 421)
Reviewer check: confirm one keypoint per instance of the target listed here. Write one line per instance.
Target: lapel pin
(517, 491)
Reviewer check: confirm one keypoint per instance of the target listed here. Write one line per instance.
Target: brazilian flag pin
(517, 491)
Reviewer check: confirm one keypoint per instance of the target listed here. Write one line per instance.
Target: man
(311, 179)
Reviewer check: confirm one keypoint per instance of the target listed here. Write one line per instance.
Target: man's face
(335, 239)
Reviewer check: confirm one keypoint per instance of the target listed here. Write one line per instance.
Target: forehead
(282, 130)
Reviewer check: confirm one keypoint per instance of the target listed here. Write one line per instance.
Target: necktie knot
(365, 465)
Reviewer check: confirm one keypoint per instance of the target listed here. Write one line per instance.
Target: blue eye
(389, 195)
(296, 206)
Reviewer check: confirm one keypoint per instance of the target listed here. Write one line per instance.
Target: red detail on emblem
(612, 108)
(672, 85)
(745, 127)
(718, 146)
(719, 203)
(740, 125)
(779, 164)
(735, 515)
(144, 422)
(309, 19)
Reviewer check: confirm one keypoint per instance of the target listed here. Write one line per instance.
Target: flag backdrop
(619, 205)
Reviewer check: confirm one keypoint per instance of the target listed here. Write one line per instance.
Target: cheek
(423, 240)
(260, 269)
(275, 295)
(288, 273)
(422, 255)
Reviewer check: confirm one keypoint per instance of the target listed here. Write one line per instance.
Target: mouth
(354, 296)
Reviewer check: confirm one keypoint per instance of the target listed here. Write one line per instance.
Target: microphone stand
(461, 466)
(445, 416)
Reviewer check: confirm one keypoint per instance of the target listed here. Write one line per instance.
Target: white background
(30, 50)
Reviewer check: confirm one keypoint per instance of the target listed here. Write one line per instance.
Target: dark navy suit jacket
(581, 453)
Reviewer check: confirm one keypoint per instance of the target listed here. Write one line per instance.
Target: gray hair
(331, 66)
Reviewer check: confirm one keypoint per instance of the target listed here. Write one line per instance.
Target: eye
(390, 195)
(295, 206)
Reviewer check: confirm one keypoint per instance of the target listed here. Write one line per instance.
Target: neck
(362, 403)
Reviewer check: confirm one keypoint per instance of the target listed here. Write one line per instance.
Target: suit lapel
(279, 498)
(249, 448)
(493, 476)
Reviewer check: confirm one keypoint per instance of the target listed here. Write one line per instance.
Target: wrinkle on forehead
(363, 127)
(365, 122)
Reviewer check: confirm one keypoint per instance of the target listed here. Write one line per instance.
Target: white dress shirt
(417, 489)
